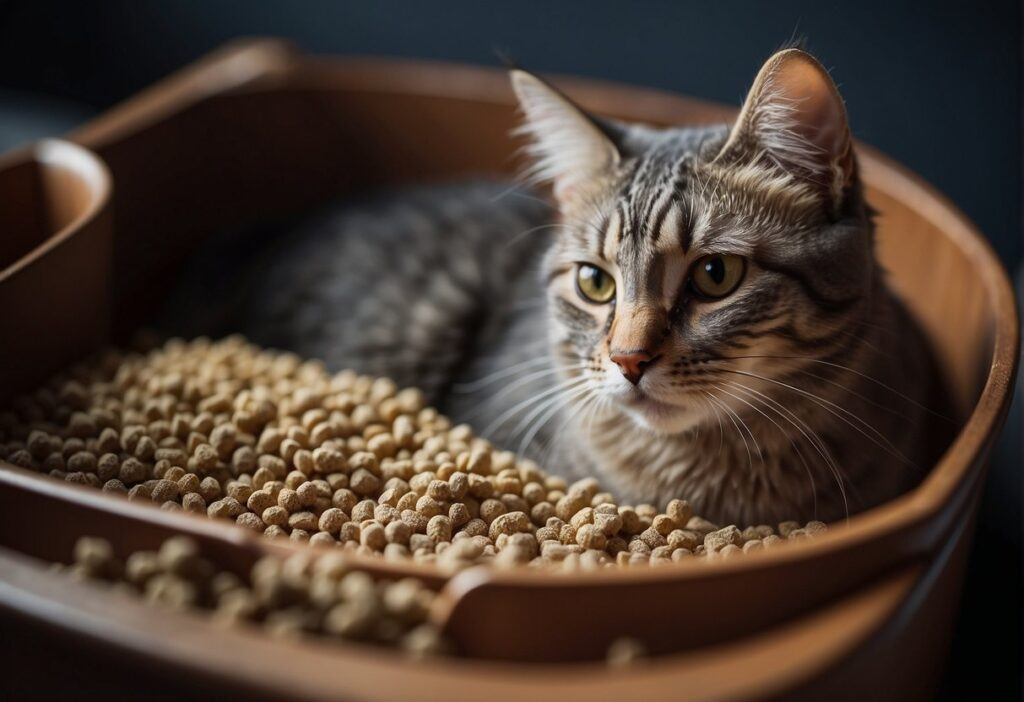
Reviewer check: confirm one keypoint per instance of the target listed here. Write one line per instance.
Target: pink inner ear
(819, 112)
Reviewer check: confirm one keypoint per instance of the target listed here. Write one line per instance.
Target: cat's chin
(660, 417)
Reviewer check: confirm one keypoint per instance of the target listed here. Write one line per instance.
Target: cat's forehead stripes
(610, 236)
(672, 226)
(651, 274)
(651, 191)
(652, 203)
(648, 235)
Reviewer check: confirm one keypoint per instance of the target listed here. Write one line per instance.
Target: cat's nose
(632, 364)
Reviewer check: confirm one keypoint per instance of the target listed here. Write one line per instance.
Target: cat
(697, 313)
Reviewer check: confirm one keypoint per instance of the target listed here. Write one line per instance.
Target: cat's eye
(594, 284)
(717, 275)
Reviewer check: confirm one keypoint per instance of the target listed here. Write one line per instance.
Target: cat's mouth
(654, 414)
(641, 400)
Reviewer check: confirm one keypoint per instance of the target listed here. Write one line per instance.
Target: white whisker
(835, 410)
(552, 410)
(732, 418)
(512, 411)
(470, 386)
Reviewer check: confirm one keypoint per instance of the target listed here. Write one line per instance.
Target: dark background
(936, 85)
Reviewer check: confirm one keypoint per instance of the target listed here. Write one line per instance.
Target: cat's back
(396, 284)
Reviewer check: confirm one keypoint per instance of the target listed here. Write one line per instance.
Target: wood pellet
(279, 446)
(308, 594)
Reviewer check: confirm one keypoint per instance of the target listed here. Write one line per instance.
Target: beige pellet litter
(306, 594)
(280, 446)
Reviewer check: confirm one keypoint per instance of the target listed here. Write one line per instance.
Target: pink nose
(632, 364)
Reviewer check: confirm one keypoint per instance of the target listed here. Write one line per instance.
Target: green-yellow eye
(717, 275)
(594, 284)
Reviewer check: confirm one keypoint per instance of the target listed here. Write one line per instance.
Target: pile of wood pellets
(303, 595)
(278, 445)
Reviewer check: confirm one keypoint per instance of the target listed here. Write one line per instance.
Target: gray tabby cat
(704, 319)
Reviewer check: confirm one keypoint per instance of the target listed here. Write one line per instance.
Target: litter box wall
(55, 251)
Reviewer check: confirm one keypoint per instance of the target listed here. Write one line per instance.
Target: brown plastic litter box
(257, 131)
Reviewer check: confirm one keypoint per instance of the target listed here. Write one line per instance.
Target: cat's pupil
(715, 268)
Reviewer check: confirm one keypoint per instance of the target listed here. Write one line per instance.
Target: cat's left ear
(568, 147)
(795, 118)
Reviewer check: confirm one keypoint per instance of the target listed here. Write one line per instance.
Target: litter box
(95, 228)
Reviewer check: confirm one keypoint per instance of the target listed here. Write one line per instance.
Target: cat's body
(437, 287)
(803, 391)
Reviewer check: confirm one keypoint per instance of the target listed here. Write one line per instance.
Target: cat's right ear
(794, 118)
(568, 148)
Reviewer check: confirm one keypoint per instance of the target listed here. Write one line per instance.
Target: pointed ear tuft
(795, 118)
(566, 145)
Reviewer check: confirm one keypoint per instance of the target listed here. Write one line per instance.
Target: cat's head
(692, 261)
